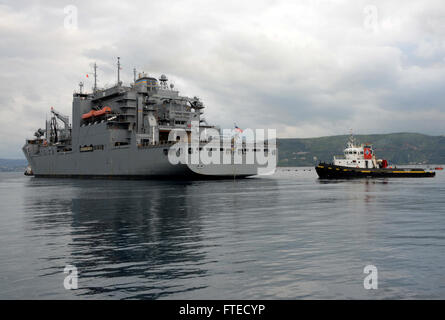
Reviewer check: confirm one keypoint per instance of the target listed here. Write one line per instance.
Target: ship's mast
(95, 77)
(351, 141)
(118, 70)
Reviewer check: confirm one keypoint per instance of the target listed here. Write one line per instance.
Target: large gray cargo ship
(123, 131)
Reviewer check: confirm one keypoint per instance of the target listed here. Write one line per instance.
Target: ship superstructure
(359, 156)
(124, 131)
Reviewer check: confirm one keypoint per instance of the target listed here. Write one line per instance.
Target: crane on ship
(57, 134)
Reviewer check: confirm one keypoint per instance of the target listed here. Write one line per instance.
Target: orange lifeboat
(102, 111)
(87, 115)
(94, 113)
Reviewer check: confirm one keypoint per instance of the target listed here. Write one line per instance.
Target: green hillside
(12, 165)
(398, 148)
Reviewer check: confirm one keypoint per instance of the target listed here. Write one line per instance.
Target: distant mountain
(398, 148)
(13, 165)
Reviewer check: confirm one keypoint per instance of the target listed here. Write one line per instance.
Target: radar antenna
(163, 79)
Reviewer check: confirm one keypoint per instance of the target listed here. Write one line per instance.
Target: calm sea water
(288, 236)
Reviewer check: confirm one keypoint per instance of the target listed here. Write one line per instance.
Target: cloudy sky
(306, 68)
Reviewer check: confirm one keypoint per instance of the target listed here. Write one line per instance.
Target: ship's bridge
(146, 80)
(354, 153)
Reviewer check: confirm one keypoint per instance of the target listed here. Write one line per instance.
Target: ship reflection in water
(139, 239)
(144, 241)
(287, 236)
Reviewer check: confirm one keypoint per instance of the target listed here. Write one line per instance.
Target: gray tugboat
(123, 131)
(359, 161)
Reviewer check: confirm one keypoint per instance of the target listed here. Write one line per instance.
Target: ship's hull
(129, 163)
(330, 171)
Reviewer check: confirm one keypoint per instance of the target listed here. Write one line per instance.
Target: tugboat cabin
(359, 156)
